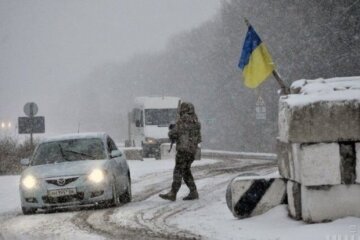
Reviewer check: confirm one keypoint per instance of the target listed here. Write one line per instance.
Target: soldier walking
(187, 136)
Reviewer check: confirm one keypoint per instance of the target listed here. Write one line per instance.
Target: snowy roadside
(207, 217)
(9, 194)
(215, 221)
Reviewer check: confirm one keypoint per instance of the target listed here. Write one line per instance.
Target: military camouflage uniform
(187, 135)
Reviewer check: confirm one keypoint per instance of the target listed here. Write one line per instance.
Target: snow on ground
(9, 194)
(216, 222)
(208, 216)
(45, 226)
(10, 206)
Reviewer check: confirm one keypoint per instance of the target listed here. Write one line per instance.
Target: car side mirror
(115, 153)
(25, 162)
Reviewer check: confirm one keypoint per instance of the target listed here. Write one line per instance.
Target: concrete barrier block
(289, 156)
(311, 164)
(348, 162)
(284, 159)
(283, 121)
(252, 196)
(319, 164)
(357, 150)
(326, 203)
(321, 121)
(296, 153)
(133, 153)
(293, 191)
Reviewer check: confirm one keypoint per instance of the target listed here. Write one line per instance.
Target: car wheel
(126, 197)
(28, 211)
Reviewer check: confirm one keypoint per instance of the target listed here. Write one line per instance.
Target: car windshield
(160, 117)
(69, 150)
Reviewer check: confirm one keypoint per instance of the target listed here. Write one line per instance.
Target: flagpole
(284, 89)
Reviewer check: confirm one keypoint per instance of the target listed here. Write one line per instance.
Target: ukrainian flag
(255, 61)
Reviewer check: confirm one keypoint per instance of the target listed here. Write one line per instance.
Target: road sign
(31, 125)
(30, 109)
(260, 109)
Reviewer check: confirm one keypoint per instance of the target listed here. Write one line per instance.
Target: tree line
(307, 39)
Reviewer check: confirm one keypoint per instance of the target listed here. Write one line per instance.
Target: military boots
(192, 196)
(168, 196)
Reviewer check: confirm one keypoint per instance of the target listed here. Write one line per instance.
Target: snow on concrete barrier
(250, 196)
(318, 148)
(323, 111)
(133, 153)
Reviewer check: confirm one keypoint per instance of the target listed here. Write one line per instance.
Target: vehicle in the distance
(83, 169)
(149, 122)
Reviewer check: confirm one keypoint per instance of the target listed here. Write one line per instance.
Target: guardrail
(136, 153)
(208, 153)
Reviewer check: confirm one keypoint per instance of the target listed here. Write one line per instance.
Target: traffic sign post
(260, 115)
(260, 109)
(30, 109)
(31, 124)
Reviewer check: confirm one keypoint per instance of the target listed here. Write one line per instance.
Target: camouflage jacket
(187, 131)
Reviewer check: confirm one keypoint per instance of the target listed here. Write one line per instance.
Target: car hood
(73, 168)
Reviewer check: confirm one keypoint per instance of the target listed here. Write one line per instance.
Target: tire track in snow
(159, 221)
(140, 224)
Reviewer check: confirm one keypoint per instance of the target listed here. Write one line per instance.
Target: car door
(119, 169)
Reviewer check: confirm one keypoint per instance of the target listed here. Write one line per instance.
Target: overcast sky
(46, 45)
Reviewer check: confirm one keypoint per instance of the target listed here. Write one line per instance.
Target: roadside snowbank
(9, 194)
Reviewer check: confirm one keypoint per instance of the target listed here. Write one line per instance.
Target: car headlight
(96, 176)
(29, 182)
(150, 140)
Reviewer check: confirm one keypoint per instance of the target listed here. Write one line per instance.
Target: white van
(149, 123)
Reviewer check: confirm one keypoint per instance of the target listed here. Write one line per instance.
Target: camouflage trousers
(182, 170)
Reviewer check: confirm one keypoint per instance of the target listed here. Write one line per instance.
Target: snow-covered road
(149, 217)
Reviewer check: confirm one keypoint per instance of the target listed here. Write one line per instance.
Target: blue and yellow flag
(255, 61)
